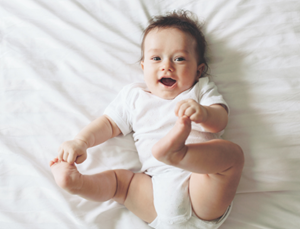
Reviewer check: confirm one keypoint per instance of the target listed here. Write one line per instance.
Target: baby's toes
(54, 161)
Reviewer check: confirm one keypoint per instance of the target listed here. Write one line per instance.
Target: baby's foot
(171, 148)
(66, 176)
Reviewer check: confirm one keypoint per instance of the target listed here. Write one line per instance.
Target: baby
(189, 174)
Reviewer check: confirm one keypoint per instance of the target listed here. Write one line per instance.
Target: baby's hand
(191, 109)
(73, 151)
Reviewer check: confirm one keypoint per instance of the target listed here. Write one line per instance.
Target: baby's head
(183, 21)
(173, 54)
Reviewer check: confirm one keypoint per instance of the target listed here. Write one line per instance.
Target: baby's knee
(240, 158)
(123, 180)
(237, 151)
(235, 154)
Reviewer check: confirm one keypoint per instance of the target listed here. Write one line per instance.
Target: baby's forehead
(174, 30)
(169, 36)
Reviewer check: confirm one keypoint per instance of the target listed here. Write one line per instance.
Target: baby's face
(170, 62)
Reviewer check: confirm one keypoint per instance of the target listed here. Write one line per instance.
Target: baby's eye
(156, 58)
(179, 59)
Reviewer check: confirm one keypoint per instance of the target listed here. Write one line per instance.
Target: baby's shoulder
(203, 82)
(205, 85)
(132, 91)
(133, 88)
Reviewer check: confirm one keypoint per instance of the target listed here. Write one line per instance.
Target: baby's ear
(200, 69)
(142, 64)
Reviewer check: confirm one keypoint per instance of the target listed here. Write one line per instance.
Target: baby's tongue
(167, 81)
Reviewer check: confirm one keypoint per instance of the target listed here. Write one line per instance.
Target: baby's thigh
(211, 194)
(140, 197)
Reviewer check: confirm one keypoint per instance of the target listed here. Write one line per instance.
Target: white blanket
(63, 61)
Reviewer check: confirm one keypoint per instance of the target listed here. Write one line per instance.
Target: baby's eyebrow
(175, 51)
(182, 50)
(153, 50)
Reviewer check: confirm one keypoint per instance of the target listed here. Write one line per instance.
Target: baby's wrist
(204, 115)
(82, 141)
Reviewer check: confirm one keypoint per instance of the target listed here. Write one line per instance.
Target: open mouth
(167, 82)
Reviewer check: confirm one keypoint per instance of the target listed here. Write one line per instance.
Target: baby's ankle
(73, 185)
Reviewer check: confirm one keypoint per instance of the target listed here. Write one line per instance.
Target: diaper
(172, 203)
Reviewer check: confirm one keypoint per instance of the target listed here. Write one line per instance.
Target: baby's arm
(97, 132)
(212, 118)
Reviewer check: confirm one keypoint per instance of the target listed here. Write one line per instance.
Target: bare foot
(171, 148)
(66, 176)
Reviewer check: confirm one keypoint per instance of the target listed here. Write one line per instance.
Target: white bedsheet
(63, 61)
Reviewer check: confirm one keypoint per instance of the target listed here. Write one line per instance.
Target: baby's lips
(167, 81)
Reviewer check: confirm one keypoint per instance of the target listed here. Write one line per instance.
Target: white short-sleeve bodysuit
(150, 118)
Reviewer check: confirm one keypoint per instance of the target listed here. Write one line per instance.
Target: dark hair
(183, 21)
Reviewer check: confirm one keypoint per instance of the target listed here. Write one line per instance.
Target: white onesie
(151, 118)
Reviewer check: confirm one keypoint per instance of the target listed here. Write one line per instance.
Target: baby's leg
(99, 187)
(123, 186)
(216, 165)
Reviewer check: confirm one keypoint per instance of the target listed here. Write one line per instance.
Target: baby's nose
(167, 66)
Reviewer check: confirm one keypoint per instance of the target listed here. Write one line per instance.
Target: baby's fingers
(60, 154)
(194, 117)
(69, 156)
(81, 158)
(65, 157)
(190, 112)
(182, 110)
(178, 105)
(72, 157)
